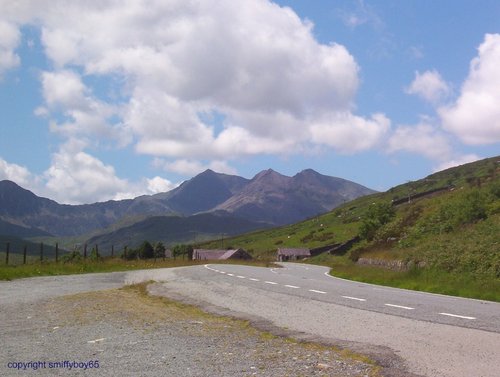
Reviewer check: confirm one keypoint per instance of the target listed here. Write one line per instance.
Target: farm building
(207, 254)
(292, 254)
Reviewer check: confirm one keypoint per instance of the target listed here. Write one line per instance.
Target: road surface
(410, 332)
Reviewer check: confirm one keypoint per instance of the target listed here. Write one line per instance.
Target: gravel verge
(126, 332)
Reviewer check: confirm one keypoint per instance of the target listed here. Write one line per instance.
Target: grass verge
(419, 279)
(105, 265)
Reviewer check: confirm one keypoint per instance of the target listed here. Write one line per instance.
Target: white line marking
(291, 286)
(273, 271)
(399, 306)
(221, 272)
(270, 282)
(253, 279)
(95, 341)
(457, 316)
(316, 291)
(230, 274)
(241, 277)
(354, 298)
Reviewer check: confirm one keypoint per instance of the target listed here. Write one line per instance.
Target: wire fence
(16, 254)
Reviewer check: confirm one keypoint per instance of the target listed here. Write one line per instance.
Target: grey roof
(205, 254)
(295, 252)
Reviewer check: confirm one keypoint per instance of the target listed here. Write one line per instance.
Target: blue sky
(109, 100)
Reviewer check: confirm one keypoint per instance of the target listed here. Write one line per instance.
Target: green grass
(427, 280)
(51, 268)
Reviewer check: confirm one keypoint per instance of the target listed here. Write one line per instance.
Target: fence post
(24, 253)
(124, 252)
(96, 251)
(112, 251)
(85, 251)
(57, 252)
(7, 253)
(41, 251)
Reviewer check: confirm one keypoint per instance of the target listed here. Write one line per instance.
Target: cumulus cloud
(430, 86)
(475, 116)
(9, 39)
(193, 167)
(429, 141)
(77, 177)
(244, 59)
(67, 97)
(15, 173)
(159, 184)
(460, 160)
(257, 64)
(422, 139)
(349, 133)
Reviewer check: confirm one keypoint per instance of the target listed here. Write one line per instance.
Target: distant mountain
(279, 199)
(22, 207)
(267, 198)
(175, 229)
(202, 193)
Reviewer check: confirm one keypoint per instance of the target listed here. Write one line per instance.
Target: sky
(113, 99)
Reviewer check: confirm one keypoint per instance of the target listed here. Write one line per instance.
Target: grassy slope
(460, 259)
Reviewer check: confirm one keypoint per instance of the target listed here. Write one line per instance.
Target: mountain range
(268, 199)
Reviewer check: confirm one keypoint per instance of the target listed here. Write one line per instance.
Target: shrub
(377, 215)
(74, 256)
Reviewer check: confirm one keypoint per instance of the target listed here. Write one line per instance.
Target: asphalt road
(424, 334)
(432, 335)
(315, 283)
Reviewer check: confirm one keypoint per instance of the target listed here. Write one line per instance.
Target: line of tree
(148, 251)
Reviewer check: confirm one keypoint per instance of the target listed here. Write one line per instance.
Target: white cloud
(460, 160)
(348, 133)
(16, 173)
(193, 167)
(9, 39)
(76, 177)
(65, 94)
(422, 139)
(159, 184)
(278, 90)
(430, 86)
(475, 116)
(249, 60)
(428, 141)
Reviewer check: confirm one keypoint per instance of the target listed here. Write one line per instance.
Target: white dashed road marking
(457, 316)
(291, 286)
(316, 291)
(399, 306)
(354, 298)
(253, 279)
(241, 277)
(270, 282)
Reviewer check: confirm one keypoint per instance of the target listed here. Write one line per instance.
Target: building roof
(295, 252)
(214, 253)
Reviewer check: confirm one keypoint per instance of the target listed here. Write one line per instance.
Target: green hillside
(448, 224)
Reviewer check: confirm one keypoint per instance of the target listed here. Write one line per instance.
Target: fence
(16, 253)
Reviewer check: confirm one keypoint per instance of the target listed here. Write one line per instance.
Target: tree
(184, 250)
(159, 250)
(146, 251)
